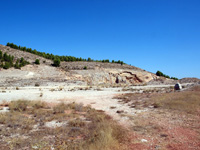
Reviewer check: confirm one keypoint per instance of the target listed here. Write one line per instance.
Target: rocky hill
(84, 73)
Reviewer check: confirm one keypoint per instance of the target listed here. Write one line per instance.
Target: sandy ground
(101, 99)
(98, 98)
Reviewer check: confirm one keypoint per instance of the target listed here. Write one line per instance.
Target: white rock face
(112, 76)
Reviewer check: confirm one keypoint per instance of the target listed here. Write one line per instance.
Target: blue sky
(151, 34)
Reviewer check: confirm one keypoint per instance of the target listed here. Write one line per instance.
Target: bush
(85, 67)
(18, 105)
(37, 61)
(1, 54)
(59, 108)
(56, 62)
(159, 73)
(174, 78)
(7, 65)
(21, 60)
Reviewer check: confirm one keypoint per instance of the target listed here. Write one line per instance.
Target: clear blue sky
(151, 34)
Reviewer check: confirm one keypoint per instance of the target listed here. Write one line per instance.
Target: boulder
(177, 86)
(120, 79)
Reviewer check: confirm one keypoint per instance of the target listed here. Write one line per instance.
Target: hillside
(81, 72)
(94, 105)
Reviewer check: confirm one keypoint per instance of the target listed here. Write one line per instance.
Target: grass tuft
(19, 105)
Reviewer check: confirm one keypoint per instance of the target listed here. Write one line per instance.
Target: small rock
(119, 111)
(144, 140)
(151, 106)
(163, 135)
(132, 106)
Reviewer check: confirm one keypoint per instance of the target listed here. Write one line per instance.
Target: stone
(144, 140)
(119, 111)
(177, 86)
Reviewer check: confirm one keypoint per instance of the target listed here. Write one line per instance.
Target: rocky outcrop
(96, 73)
(111, 76)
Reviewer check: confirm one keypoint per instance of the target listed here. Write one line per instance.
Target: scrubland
(38, 125)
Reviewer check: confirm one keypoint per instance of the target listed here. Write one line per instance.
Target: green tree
(37, 61)
(89, 59)
(56, 62)
(17, 65)
(5, 57)
(159, 73)
(6, 65)
(1, 54)
(21, 60)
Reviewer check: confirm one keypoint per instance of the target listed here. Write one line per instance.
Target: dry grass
(173, 124)
(24, 127)
(187, 101)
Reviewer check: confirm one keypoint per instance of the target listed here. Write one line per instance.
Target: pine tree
(56, 62)
(37, 61)
(1, 54)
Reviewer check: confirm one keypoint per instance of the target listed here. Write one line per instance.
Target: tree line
(159, 73)
(8, 61)
(57, 57)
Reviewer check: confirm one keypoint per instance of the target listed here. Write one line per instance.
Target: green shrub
(1, 54)
(56, 62)
(159, 73)
(17, 66)
(37, 61)
(21, 60)
(7, 65)
(85, 67)
(174, 78)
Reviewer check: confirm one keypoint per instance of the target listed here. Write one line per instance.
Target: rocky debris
(161, 81)
(111, 76)
(144, 140)
(177, 86)
(55, 124)
(4, 109)
(119, 111)
(120, 79)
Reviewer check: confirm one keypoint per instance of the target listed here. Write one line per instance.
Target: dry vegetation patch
(172, 123)
(35, 125)
(186, 101)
